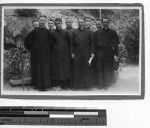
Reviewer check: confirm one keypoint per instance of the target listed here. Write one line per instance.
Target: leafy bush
(26, 12)
(131, 41)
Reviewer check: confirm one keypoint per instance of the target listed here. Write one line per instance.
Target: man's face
(88, 24)
(51, 24)
(35, 24)
(105, 23)
(42, 21)
(58, 24)
(69, 23)
(98, 24)
(81, 23)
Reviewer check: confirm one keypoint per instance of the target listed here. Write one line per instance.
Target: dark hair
(50, 19)
(58, 19)
(43, 16)
(34, 21)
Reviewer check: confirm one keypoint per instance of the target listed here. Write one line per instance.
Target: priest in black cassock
(39, 42)
(98, 24)
(106, 41)
(60, 56)
(69, 26)
(51, 25)
(70, 29)
(82, 51)
(98, 27)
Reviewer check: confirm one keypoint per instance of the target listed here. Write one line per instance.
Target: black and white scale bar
(39, 116)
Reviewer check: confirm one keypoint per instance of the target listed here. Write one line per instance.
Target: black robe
(106, 47)
(70, 31)
(60, 55)
(82, 48)
(39, 42)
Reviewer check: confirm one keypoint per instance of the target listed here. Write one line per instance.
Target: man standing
(39, 42)
(70, 29)
(60, 56)
(82, 51)
(51, 25)
(98, 25)
(90, 25)
(106, 41)
(35, 24)
(94, 68)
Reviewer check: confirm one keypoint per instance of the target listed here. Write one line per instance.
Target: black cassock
(39, 42)
(60, 55)
(106, 42)
(82, 48)
(70, 31)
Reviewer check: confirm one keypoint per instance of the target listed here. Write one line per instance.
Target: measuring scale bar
(67, 117)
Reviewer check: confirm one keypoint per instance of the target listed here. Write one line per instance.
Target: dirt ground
(127, 83)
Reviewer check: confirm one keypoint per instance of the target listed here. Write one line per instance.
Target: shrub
(26, 12)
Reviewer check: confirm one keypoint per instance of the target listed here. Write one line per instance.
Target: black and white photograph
(72, 51)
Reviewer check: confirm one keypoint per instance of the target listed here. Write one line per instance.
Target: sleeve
(95, 41)
(116, 43)
(72, 42)
(91, 36)
(51, 40)
(29, 40)
(68, 39)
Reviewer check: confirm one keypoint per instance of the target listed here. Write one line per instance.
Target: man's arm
(91, 34)
(72, 39)
(116, 43)
(29, 40)
(51, 39)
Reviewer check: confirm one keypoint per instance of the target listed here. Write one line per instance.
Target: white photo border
(80, 95)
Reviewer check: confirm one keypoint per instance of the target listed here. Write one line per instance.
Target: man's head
(35, 24)
(105, 22)
(51, 23)
(81, 23)
(42, 20)
(88, 23)
(58, 23)
(69, 23)
(98, 24)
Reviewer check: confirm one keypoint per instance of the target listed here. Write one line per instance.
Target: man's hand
(92, 55)
(72, 56)
(115, 58)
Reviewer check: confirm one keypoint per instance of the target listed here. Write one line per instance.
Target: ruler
(52, 116)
